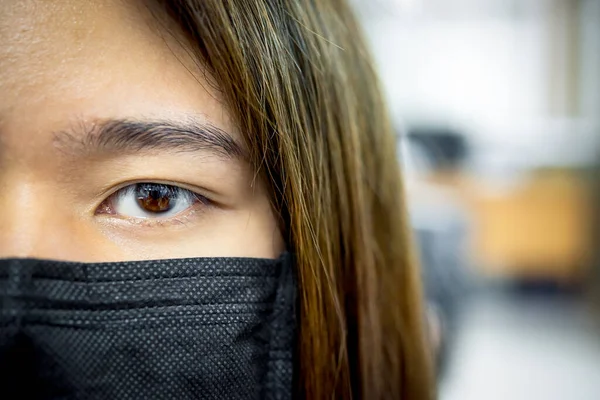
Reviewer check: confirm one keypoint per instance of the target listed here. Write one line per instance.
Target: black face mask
(205, 328)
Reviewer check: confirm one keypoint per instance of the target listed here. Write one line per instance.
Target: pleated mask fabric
(197, 328)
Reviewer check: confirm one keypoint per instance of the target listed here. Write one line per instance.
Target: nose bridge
(20, 218)
(29, 227)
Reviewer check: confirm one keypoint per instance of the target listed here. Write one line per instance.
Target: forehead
(65, 59)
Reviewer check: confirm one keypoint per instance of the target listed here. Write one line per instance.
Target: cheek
(240, 234)
(220, 233)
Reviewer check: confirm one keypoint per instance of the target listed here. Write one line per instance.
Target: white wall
(590, 52)
(478, 72)
(487, 65)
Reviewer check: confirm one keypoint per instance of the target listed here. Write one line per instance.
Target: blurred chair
(439, 221)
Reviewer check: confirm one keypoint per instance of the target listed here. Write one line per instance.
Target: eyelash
(198, 202)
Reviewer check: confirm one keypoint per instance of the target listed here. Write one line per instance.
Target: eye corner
(105, 208)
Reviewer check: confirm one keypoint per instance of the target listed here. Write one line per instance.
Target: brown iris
(154, 197)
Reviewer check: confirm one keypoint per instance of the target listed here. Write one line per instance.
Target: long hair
(297, 77)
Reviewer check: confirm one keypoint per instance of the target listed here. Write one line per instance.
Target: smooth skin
(67, 70)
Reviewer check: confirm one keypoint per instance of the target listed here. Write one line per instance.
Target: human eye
(150, 201)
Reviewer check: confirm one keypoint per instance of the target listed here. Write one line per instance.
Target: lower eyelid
(180, 219)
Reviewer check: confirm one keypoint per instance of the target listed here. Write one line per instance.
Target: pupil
(154, 197)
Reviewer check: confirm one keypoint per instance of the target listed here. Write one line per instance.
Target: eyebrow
(124, 136)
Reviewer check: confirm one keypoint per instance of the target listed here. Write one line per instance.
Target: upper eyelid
(131, 188)
(124, 185)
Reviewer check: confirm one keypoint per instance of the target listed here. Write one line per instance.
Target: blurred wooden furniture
(541, 229)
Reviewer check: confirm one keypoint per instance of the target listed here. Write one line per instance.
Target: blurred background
(497, 108)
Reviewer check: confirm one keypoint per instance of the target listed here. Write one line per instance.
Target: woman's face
(114, 146)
